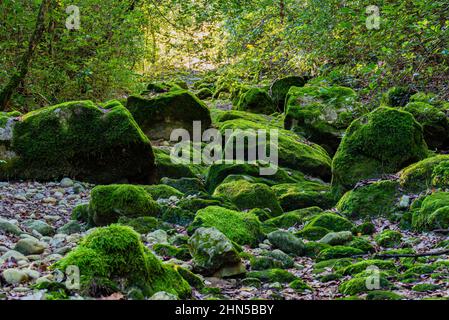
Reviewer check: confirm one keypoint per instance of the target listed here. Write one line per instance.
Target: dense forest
(224, 149)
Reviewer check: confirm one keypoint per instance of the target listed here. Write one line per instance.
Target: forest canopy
(119, 45)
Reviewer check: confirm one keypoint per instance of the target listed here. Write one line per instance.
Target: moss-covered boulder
(337, 252)
(246, 195)
(166, 167)
(109, 203)
(116, 253)
(217, 173)
(381, 142)
(272, 275)
(389, 239)
(440, 175)
(213, 252)
(293, 196)
(372, 200)
(330, 221)
(431, 212)
(280, 88)
(337, 238)
(291, 219)
(240, 227)
(162, 191)
(256, 100)
(293, 151)
(364, 284)
(321, 114)
(78, 140)
(397, 96)
(418, 176)
(161, 87)
(434, 122)
(286, 242)
(160, 115)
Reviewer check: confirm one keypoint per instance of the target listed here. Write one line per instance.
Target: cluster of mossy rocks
(341, 168)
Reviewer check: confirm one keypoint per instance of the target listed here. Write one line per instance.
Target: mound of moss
(272, 275)
(160, 115)
(372, 200)
(161, 87)
(280, 88)
(165, 167)
(431, 212)
(330, 221)
(440, 175)
(418, 176)
(293, 151)
(162, 191)
(381, 142)
(291, 219)
(389, 239)
(434, 122)
(337, 252)
(256, 100)
(117, 254)
(78, 140)
(397, 97)
(293, 196)
(363, 284)
(321, 114)
(240, 227)
(246, 195)
(109, 203)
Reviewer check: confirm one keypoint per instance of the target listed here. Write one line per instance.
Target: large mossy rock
(280, 88)
(214, 253)
(321, 114)
(418, 176)
(431, 212)
(293, 196)
(109, 203)
(434, 122)
(246, 195)
(160, 115)
(372, 200)
(116, 254)
(241, 227)
(78, 140)
(381, 142)
(294, 151)
(256, 100)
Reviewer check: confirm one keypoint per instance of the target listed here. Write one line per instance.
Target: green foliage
(109, 203)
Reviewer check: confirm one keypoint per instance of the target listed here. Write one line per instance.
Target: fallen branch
(445, 231)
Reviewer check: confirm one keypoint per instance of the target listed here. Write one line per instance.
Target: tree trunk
(14, 82)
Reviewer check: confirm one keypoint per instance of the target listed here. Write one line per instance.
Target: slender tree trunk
(14, 82)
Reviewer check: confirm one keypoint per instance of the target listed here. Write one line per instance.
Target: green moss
(382, 142)
(383, 295)
(220, 116)
(331, 264)
(177, 215)
(389, 238)
(162, 191)
(440, 175)
(241, 227)
(109, 203)
(217, 173)
(299, 285)
(79, 140)
(166, 250)
(397, 97)
(361, 243)
(159, 116)
(294, 196)
(431, 212)
(312, 233)
(321, 114)
(257, 101)
(312, 249)
(331, 222)
(418, 176)
(337, 252)
(373, 200)
(247, 195)
(116, 252)
(204, 93)
(188, 186)
(142, 225)
(434, 122)
(280, 88)
(291, 219)
(193, 279)
(426, 287)
(293, 150)
(162, 87)
(365, 228)
(165, 167)
(359, 285)
(272, 275)
(363, 265)
(81, 213)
